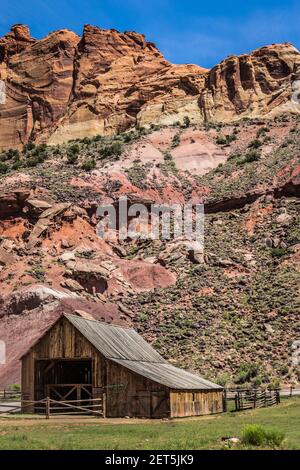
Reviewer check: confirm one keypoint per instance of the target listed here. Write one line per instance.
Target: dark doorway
(62, 379)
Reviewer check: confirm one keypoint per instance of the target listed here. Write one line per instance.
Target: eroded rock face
(63, 87)
(117, 77)
(38, 78)
(264, 82)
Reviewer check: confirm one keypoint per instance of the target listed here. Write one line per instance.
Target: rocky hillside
(64, 86)
(230, 312)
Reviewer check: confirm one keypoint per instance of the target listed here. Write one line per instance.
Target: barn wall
(195, 403)
(137, 396)
(63, 341)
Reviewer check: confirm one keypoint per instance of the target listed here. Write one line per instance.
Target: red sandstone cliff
(64, 86)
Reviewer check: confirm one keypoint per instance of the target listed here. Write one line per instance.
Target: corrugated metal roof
(127, 348)
(115, 342)
(171, 376)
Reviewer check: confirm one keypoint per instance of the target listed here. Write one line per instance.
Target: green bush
(246, 372)
(252, 156)
(220, 140)
(230, 138)
(186, 121)
(115, 149)
(253, 435)
(89, 164)
(262, 131)
(278, 252)
(225, 140)
(176, 140)
(3, 168)
(72, 158)
(29, 146)
(167, 156)
(255, 144)
(73, 150)
(256, 435)
(12, 154)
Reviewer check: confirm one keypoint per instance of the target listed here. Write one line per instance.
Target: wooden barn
(81, 359)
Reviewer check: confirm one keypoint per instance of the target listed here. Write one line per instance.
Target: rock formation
(63, 87)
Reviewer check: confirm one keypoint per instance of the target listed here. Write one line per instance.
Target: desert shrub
(17, 164)
(230, 138)
(167, 156)
(176, 140)
(128, 137)
(31, 162)
(262, 131)
(89, 164)
(137, 175)
(73, 149)
(220, 140)
(3, 168)
(223, 379)
(246, 372)
(28, 147)
(40, 153)
(186, 121)
(255, 144)
(278, 252)
(234, 156)
(225, 140)
(256, 435)
(72, 158)
(11, 154)
(115, 149)
(252, 156)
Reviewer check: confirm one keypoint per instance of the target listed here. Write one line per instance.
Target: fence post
(291, 391)
(236, 402)
(254, 399)
(104, 404)
(47, 408)
(225, 400)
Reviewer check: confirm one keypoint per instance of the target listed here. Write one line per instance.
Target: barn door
(160, 405)
(151, 404)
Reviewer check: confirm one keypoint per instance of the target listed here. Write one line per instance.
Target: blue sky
(186, 31)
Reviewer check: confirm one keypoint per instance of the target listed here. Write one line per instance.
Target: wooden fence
(48, 407)
(252, 398)
(9, 394)
(293, 391)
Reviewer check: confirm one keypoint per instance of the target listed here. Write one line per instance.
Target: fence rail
(9, 394)
(48, 407)
(252, 398)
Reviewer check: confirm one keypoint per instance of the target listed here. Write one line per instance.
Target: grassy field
(21, 432)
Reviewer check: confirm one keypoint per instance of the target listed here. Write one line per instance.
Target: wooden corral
(81, 359)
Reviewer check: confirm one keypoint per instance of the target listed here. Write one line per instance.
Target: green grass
(194, 433)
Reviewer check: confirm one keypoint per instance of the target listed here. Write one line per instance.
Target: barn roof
(127, 348)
